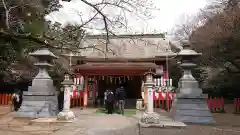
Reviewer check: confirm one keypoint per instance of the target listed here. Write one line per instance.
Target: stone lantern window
(149, 77)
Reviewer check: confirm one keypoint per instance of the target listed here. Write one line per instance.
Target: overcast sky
(170, 13)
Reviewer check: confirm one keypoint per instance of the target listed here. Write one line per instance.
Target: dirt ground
(227, 124)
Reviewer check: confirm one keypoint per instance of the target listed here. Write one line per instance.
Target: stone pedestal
(193, 110)
(66, 114)
(40, 100)
(38, 105)
(190, 105)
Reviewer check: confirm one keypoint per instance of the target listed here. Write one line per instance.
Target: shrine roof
(116, 65)
(43, 52)
(126, 46)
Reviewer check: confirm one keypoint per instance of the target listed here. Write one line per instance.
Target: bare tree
(106, 16)
(217, 38)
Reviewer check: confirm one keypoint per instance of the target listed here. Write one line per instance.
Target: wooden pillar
(85, 98)
(94, 90)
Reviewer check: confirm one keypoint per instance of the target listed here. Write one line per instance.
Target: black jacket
(120, 94)
(110, 97)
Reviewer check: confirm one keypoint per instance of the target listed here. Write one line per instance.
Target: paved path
(88, 123)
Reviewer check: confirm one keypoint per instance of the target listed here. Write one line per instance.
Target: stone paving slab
(89, 123)
(49, 122)
(164, 124)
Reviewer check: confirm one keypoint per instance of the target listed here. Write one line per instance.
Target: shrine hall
(125, 60)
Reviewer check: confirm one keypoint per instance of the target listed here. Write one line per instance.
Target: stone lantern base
(149, 119)
(66, 116)
(38, 104)
(153, 119)
(192, 110)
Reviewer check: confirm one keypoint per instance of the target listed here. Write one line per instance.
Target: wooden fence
(76, 100)
(5, 99)
(163, 100)
(216, 104)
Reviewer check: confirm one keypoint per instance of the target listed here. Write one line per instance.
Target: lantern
(158, 72)
(149, 77)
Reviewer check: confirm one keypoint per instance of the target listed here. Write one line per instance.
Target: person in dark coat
(60, 99)
(110, 102)
(121, 96)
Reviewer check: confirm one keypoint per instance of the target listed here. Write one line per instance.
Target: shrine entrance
(108, 75)
(132, 85)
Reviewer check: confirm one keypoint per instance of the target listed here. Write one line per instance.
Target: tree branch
(104, 20)
(6, 14)
(39, 41)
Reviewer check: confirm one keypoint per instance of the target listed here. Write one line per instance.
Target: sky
(169, 15)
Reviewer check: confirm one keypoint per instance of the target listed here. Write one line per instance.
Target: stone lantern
(149, 83)
(41, 98)
(190, 105)
(66, 114)
(149, 118)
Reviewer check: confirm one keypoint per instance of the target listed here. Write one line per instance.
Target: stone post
(150, 97)
(66, 114)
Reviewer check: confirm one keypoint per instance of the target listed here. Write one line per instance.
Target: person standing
(110, 102)
(105, 99)
(60, 99)
(121, 96)
(16, 100)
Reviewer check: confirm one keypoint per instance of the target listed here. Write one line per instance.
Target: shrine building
(126, 60)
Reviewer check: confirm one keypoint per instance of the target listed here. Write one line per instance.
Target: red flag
(165, 75)
(154, 96)
(81, 94)
(160, 96)
(74, 93)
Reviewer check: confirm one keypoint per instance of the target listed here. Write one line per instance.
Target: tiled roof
(127, 46)
(117, 65)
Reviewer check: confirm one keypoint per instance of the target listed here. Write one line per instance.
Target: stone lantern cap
(67, 80)
(187, 51)
(149, 73)
(43, 52)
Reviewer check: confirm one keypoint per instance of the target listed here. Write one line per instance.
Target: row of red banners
(156, 95)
